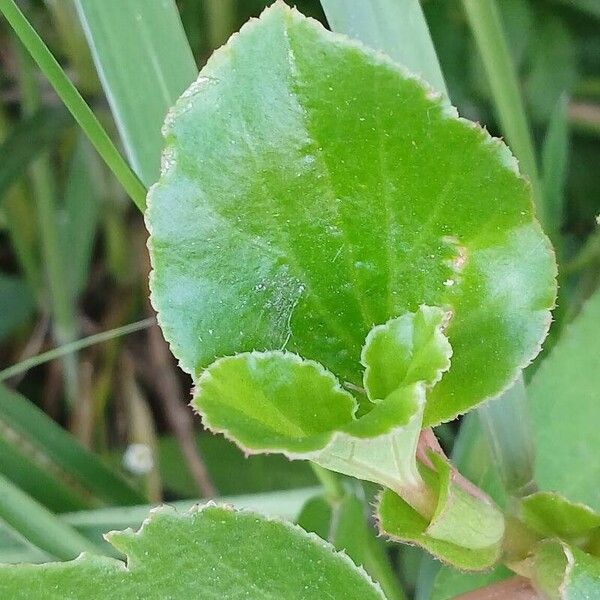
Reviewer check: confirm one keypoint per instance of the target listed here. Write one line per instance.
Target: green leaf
(17, 304)
(273, 401)
(144, 62)
(565, 410)
(227, 554)
(406, 350)
(464, 531)
(261, 164)
(562, 572)
(553, 515)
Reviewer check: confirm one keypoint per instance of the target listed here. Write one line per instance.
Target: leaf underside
(208, 553)
(311, 189)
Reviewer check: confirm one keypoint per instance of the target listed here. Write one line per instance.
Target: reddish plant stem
(516, 588)
(428, 442)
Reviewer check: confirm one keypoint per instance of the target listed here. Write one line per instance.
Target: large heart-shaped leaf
(212, 552)
(311, 188)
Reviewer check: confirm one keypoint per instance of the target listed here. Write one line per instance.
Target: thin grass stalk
(74, 102)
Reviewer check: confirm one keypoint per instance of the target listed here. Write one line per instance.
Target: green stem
(38, 525)
(55, 353)
(221, 19)
(62, 307)
(74, 102)
(487, 28)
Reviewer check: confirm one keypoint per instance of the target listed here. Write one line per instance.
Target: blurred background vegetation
(73, 261)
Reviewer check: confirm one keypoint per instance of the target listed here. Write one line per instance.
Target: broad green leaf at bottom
(207, 553)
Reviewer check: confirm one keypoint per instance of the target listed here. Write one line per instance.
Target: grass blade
(489, 34)
(92, 524)
(144, 62)
(86, 342)
(79, 219)
(38, 525)
(35, 478)
(74, 102)
(29, 425)
(555, 152)
(397, 27)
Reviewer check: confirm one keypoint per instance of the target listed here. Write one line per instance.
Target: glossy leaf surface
(207, 553)
(312, 189)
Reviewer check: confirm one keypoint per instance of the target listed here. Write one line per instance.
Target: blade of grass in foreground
(38, 525)
(55, 353)
(144, 62)
(74, 102)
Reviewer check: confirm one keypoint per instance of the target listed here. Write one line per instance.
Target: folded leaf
(211, 552)
(464, 531)
(312, 188)
(406, 350)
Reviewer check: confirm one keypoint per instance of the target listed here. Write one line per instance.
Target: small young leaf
(405, 350)
(464, 531)
(273, 401)
(211, 552)
(552, 515)
(264, 212)
(562, 572)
